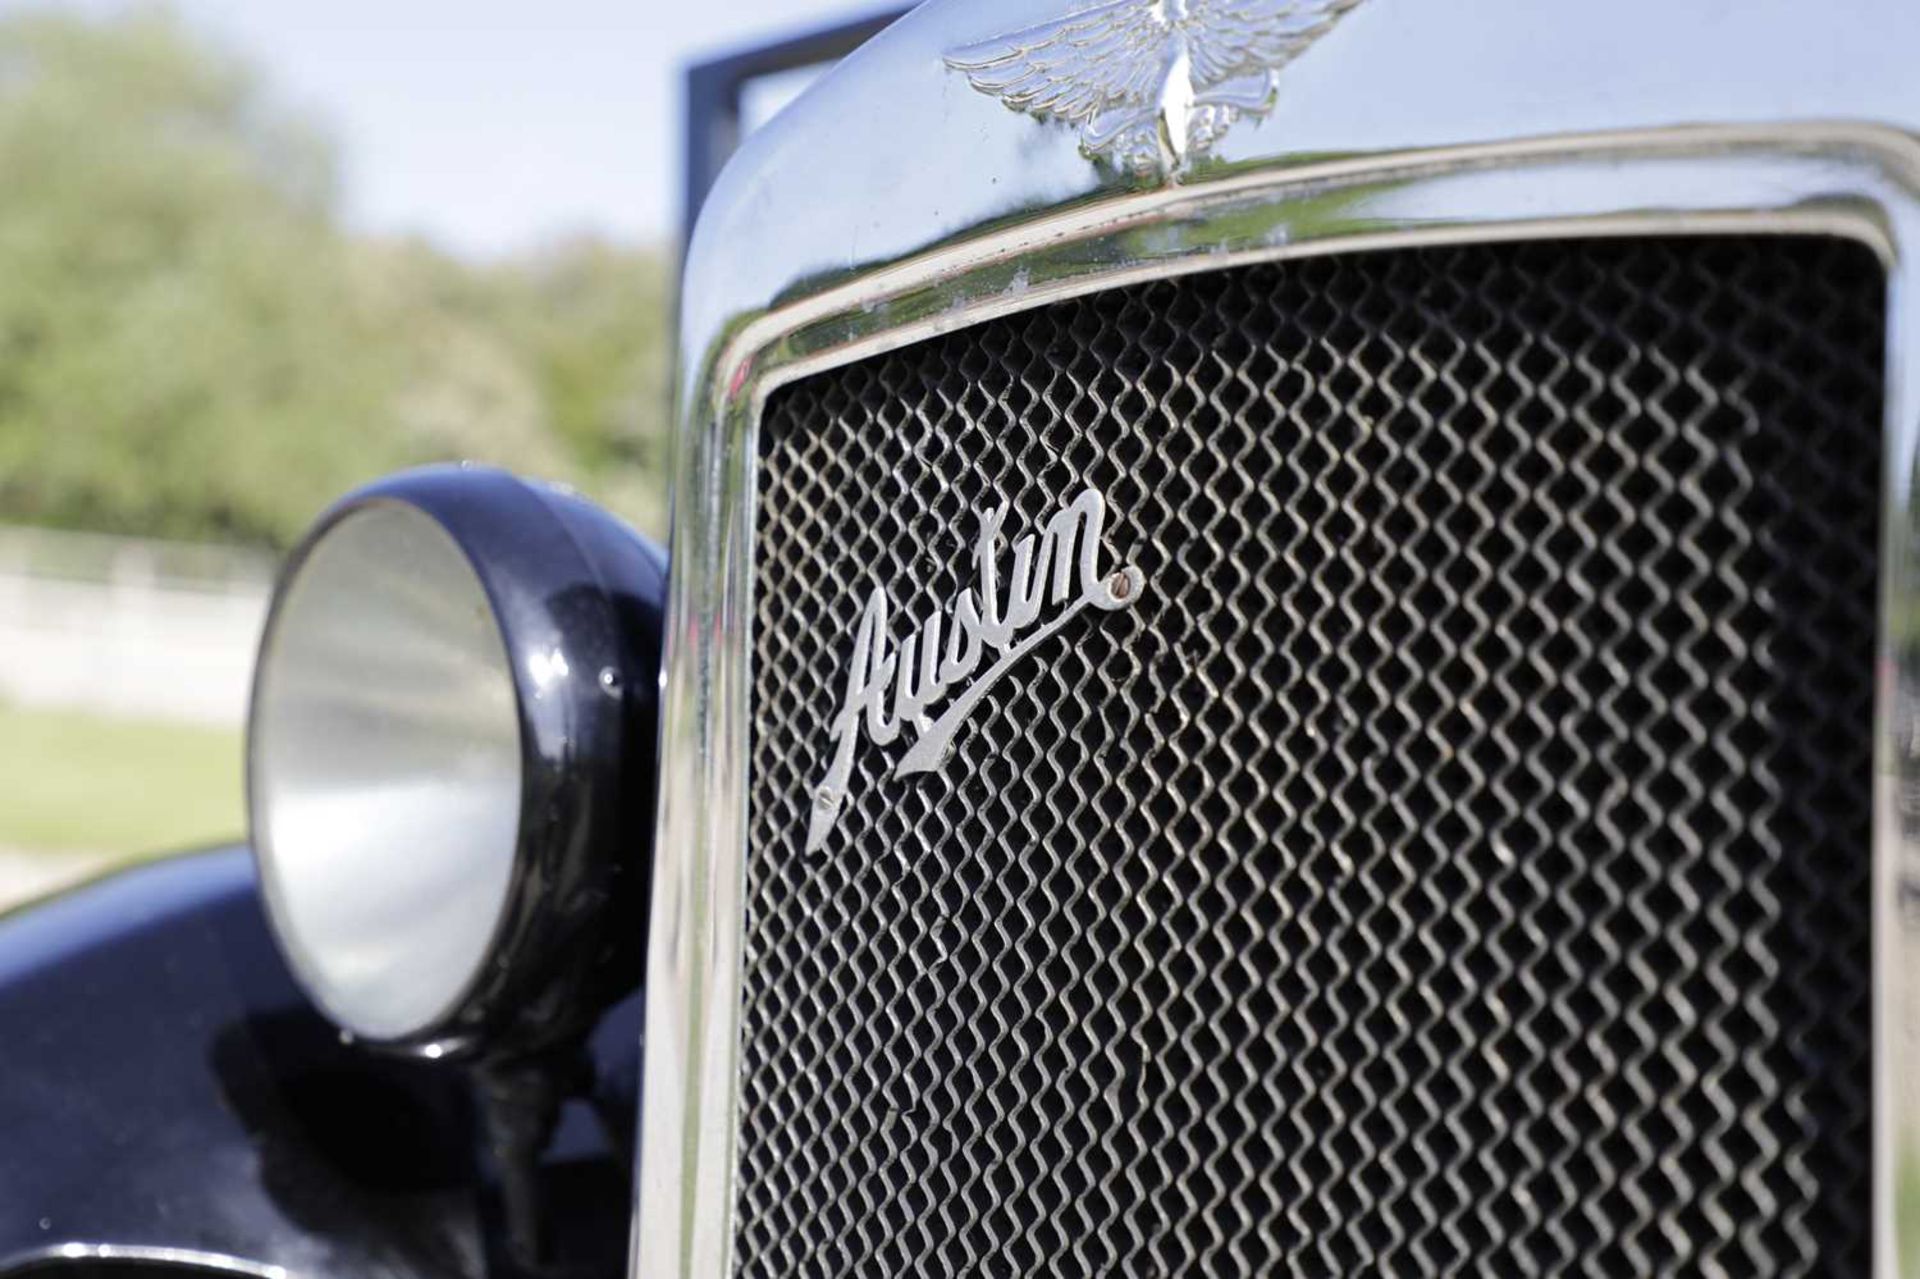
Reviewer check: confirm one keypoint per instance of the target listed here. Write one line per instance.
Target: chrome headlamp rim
(575, 598)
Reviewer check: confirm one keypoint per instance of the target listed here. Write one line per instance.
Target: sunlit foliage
(193, 345)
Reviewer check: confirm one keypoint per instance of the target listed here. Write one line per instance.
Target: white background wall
(126, 628)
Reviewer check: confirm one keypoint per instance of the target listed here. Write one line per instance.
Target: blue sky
(489, 125)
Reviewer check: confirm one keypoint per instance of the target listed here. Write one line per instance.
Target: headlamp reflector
(385, 770)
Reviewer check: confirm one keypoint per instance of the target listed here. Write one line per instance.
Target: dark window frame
(715, 90)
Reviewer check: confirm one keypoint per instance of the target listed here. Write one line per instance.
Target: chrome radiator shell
(942, 209)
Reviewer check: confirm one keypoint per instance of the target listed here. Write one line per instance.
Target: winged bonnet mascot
(1150, 84)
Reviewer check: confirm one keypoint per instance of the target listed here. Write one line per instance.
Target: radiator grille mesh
(1457, 861)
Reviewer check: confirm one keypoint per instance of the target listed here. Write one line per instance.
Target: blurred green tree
(192, 345)
(591, 320)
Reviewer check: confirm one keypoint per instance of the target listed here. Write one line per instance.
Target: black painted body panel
(164, 1085)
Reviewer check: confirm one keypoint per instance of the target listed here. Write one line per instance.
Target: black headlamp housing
(569, 583)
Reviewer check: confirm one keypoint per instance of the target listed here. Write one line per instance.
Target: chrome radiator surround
(1052, 229)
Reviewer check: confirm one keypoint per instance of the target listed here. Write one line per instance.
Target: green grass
(79, 783)
(1906, 1209)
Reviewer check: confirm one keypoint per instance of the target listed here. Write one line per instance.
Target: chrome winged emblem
(1150, 84)
(982, 625)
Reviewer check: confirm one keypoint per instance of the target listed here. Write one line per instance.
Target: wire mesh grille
(1458, 859)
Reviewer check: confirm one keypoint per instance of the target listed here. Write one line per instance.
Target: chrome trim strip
(1848, 180)
(185, 1259)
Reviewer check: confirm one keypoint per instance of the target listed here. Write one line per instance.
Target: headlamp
(450, 760)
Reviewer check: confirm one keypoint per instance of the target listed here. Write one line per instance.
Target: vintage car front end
(1290, 650)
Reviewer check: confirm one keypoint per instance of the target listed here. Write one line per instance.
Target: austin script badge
(985, 625)
(1150, 84)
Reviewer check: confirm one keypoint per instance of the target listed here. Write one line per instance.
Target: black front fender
(170, 1100)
